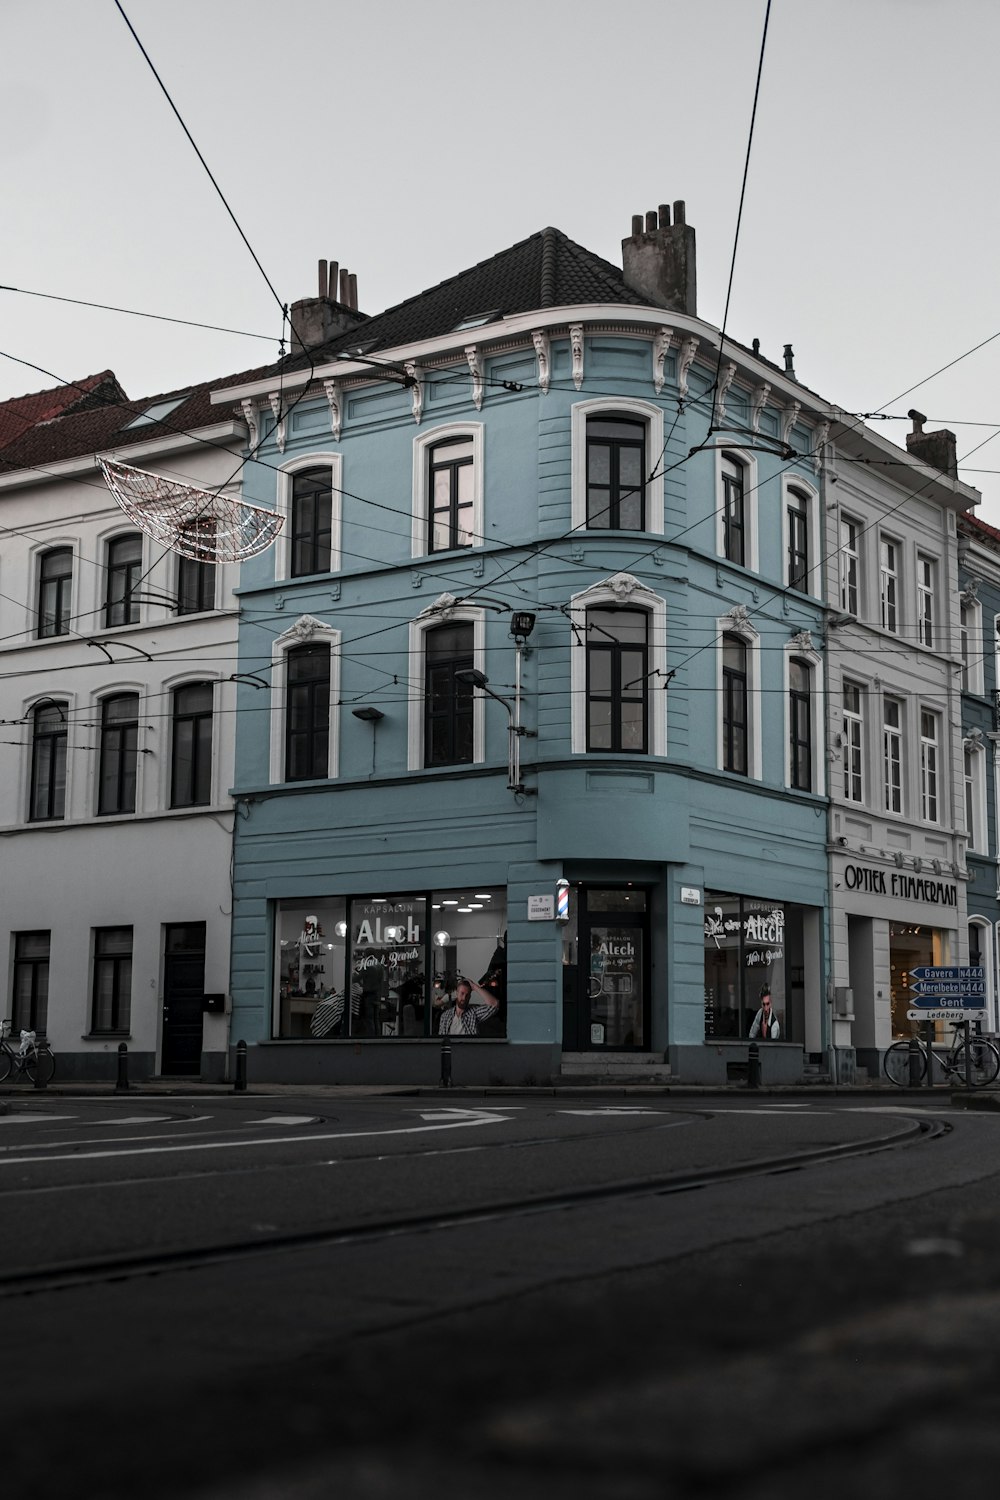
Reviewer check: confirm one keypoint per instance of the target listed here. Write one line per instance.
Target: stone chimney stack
(659, 260)
(317, 320)
(937, 449)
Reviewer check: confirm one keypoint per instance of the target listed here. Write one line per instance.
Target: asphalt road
(395, 1296)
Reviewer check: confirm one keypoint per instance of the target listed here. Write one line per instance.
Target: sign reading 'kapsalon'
(903, 887)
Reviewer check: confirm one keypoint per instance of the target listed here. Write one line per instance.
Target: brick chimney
(937, 449)
(317, 320)
(659, 260)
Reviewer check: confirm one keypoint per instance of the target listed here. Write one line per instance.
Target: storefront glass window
(745, 946)
(396, 966)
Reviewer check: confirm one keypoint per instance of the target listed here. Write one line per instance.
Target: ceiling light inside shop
(474, 906)
(449, 903)
(465, 908)
(483, 896)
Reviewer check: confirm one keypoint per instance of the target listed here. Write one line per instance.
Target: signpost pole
(968, 1056)
(928, 1039)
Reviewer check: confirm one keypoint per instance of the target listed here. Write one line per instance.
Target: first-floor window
(734, 705)
(617, 680)
(112, 1000)
(191, 750)
(30, 1008)
(974, 799)
(119, 753)
(55, 581)
(892, 754)
(928, 766)
(853, 743)
(799, 726)
(798, 541)
(48, 762)
(307, 713)
(448, 714)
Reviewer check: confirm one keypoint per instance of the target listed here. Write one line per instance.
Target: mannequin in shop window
(765, 1025)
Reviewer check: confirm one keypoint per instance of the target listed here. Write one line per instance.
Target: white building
(117, 705)
(898, 835)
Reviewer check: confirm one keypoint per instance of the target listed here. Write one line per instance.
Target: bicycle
(33, 1059)
(983, 1060)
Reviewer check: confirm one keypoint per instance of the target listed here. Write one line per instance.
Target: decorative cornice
(757, 406)
(739, 616)
(820, 439)
(624, 585)
(443, 607)
(970, 594)
(973, 740)
(576, 345)
(540, 339)
(662, 339)
(274, 401)
(689, 348)
(416, 374)
(476, 370)
(802, 641)
(332, 388)
(726, 377)
(790, 417)
(250, 416)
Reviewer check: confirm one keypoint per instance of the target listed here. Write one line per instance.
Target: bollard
(39, 1080)
(913, 1060)
(446, 1064)
(122, 1084)
(753, 1066)
(240, 1081)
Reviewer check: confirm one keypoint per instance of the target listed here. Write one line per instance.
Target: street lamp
(514, 730)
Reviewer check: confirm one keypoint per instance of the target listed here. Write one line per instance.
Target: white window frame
(814, 660)
(926, 589)
(854, 740)
(896, 734)
(443, 611)
(622, 591)
(793, 488)
(67, 701)
(99, 698)
(847, 556)
(988, 952)
(931, 781)
(306, 631)
(972, 644)
(744, 631)
(643, 411)
(447, 432)
(974, 801)
(748, 463)
(286, 475)
(888, 583)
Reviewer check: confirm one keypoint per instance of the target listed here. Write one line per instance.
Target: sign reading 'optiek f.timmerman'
(903, 887)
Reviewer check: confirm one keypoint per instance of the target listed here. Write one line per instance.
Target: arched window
(124, 568)
(191, 746)
(55, 579)
(312, 495)
(48, 762)
(616, 473)
(800, 744)
(448, 703)
(734, 526)
(617, 680)
(119, 754)
(307, 713)
(735, 705)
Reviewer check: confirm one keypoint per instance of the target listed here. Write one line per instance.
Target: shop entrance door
(606, 970)
(183, 998)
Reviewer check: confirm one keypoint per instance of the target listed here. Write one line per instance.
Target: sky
(409, 141)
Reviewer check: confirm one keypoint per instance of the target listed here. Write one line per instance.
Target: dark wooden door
(183, 998)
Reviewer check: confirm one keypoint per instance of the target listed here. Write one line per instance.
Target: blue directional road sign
(948, 971)
(944, 987)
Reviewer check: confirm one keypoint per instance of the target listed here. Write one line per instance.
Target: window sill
(106, 1036)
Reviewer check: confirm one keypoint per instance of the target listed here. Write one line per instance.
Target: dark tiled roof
(103, 425)
(546, 270)
(971, 523)
(21, 413)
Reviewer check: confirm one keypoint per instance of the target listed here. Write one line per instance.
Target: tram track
(108, 1269)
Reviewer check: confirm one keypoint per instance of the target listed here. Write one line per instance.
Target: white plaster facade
(78, 873)
(898, 869)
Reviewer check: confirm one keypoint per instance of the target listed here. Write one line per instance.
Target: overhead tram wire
(133, 312)
(743, 189)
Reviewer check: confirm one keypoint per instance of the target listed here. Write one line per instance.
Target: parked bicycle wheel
(896, 1064)
(984, 1062)
(41, 1064)
(6, 1063)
